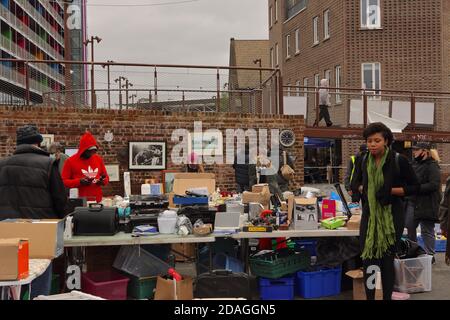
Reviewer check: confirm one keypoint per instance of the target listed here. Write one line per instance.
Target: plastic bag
(184, 226)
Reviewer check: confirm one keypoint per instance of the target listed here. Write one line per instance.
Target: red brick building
(376, 44)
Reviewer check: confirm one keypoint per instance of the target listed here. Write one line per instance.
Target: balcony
(32, 12)
(26, 31)
(18, 79)
(21, 53)
(52, 12)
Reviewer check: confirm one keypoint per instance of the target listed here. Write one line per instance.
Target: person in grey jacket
(423, 208)
(324, 104)
(444, 218)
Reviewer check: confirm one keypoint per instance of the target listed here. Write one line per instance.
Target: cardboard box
(186, 249)
(184, 181)
(46, 236)
(359, 291)
(303, 213)
(260, 194)
(354, 222)
(14, 255)
(165, 289)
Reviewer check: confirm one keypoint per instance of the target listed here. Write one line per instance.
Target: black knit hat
(28, 134)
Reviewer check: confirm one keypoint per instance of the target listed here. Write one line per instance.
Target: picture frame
(211, 143)
(168, 176)
(113, 172)
(48, 139)
(147, 155)
(70, 151)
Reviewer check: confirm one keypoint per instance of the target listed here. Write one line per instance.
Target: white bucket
(167, 222)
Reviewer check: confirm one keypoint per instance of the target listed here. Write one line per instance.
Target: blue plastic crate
(225, 262)
(277, 289)
(440, 245)
(308, 245)
(320, 283)
(190, 200)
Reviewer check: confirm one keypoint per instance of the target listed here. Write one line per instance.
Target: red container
(105, 284)
(328, 209)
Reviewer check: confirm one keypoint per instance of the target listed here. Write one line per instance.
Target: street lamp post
(119, 80)
(126, 86)
(109, 81)
(132, 99)
(86, 42)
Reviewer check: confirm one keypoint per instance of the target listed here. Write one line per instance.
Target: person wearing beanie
(31, 188)
(86, 171)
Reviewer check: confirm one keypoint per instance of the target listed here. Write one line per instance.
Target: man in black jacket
(31, 188)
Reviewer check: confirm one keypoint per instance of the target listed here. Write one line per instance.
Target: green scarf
(380, 231)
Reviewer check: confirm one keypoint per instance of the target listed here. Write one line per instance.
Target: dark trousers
(386, 266)
(426, 230)
(41, 286)
(324, 114)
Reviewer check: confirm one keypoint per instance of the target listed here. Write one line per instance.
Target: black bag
(223, 284)
(95, 220)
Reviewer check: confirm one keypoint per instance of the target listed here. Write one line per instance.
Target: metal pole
(156, 85)
(27, 84)
(365, 108)
(218, 92)
(126, 93)
(67, 57)
(280, 95)
(109, 88)
(120, 93)
(93, 104)
(183, 99)
(413, 110)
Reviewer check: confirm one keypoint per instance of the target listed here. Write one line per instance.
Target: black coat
(31, 186)
(426, 202)
(245, 173)
(393, 178)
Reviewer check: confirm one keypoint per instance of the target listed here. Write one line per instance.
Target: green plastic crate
(279, 266)
(141, 288)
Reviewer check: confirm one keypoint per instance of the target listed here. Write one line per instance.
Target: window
(326, 24)
(316, 30)
(305, 85)
(316, 80)
(298, 84)
(276, 10)
(328, 76)
(288, 46)
(288, 89)
(370, 14)
(272, 64)
(297, 40)
(276, 54)
(270, 16)
(338, 83)
(294, 6)
(371, 77)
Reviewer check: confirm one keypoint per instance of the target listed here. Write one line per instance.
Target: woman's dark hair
(378, 127)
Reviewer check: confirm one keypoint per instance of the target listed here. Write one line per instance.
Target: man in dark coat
(31, 188)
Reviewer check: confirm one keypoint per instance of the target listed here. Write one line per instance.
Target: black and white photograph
(149, 155)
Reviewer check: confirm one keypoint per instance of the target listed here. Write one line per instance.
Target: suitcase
(95, 220)
(223, 284)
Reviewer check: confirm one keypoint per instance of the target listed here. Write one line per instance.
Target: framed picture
(70, 151)
(149, 155)
(113, 172)
(207, 144)
(167, 180)
(48, 140)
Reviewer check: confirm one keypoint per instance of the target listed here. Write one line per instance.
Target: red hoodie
(77, 168)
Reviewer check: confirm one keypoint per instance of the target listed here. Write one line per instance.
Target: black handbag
(223, 284)
(95, 220)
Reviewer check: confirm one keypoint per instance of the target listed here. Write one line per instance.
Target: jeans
(426, 229)
(42, 284)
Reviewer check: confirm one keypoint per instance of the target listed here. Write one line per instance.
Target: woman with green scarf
(383, 179)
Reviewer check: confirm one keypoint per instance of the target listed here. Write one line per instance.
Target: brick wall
(69, 124)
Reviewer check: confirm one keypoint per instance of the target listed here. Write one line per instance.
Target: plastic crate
(189, 201)
(224, 262)
(439, 246)
(105, 284)
(140, 263)
(413, 275)
(276, 265)
(277, 289)
(323, 282)
(306, 244)
(141, 288)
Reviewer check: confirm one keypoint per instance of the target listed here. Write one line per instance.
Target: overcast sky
(189, 33)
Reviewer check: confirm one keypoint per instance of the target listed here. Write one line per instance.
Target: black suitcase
(95, 220)
(223, 284)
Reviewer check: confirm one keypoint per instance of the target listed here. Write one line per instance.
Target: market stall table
(36, 266)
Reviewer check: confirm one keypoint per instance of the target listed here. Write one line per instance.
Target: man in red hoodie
(85, 170)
